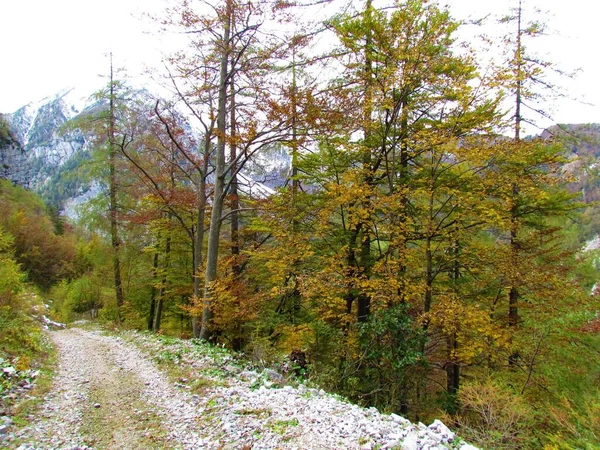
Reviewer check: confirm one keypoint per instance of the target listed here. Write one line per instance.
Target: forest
(422, 255)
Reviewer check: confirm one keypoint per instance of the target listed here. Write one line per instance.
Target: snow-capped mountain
(47, 151)
(50, 153)
(35, 122)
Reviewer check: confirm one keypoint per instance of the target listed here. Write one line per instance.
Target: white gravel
(106, 377)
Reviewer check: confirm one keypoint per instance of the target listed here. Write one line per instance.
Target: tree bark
(163, 286)
(114, 228)
(513, 295)
(219, 194)
(153, 292)
(363, 299)
(452, 366)
(233, 192)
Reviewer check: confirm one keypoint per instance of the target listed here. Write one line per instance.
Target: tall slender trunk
(452, 366)
(452, 374)
(114, 228)
(363, 299)
(403, 181)
(238, 340)
(199, 236)
(296, 299)
(429, 273)
(153, 292)
(513, 295)
(352, 264)
(233, 193)
(167, 258)
(295, 181)
(163, 287)
(217, 209)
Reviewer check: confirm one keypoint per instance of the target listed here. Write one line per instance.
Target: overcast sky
(49, 45)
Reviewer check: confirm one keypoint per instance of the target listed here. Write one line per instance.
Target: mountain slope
(49, 153)
(11, 152)
(52, 153)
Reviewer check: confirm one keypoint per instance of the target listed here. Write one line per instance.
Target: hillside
(582, 149)
(10, 152)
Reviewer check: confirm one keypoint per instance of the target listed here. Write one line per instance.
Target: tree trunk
(163, 286)
(428, 279)
(296, 299)
(295, 181)
(219, 194)
(199, 236)
(233, 193)
(452, 374)
(114, 231)
(513, 295)
(153, 292)
(452, 366)
(364, 300)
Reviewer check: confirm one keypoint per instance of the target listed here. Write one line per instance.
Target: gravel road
(109, 394)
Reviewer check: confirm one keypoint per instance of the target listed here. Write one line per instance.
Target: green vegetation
(20, 334)
(26, 357)
(282, 426)
(418, 260)
(6, 137)
(45, 256)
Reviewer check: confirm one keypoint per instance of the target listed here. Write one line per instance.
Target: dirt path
(107, 395)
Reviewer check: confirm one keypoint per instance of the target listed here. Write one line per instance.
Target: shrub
(493, 416)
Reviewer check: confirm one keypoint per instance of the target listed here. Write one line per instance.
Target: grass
(46, 363)
(261, 413)
(282, 426)
(176, 357)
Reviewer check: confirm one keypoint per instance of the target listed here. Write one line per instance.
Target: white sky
(49, 45)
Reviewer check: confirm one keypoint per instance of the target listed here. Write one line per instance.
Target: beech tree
(112, 188)
(404, 101)
(236, 55)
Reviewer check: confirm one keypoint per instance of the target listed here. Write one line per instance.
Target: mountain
(582, 145)
(582, 150)
(11, 152)
(47, 155)
(44, 155)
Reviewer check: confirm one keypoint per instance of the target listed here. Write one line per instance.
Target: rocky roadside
(114, 392)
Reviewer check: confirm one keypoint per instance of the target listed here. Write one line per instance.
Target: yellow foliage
(472, 327)
(294, 337)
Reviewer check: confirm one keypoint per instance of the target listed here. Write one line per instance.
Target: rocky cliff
(45, 154)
